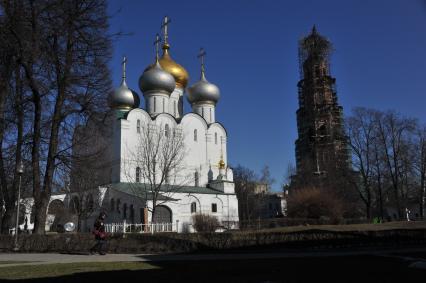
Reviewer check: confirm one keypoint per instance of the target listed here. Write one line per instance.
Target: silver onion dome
(155, 79)
(123, 98)
(203, 91)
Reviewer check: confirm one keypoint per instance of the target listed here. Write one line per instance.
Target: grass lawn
(62, 269)
(325, 269)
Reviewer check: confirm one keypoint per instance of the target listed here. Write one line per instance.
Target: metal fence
(139, 228)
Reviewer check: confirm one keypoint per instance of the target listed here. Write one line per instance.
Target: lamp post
(19, 171)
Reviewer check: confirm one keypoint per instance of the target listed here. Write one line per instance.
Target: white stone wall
(227, 209)
(202, 154)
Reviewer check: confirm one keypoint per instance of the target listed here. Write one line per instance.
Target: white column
(157, 103)
(206, 110)
(176, 103)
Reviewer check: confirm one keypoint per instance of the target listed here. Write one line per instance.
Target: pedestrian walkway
(51, 258)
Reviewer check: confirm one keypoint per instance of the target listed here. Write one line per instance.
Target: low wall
(177, 243)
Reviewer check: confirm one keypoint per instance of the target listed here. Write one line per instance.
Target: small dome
(123, 98)
(203, 91)
(154, 78)
(221, 163)
(177, 71)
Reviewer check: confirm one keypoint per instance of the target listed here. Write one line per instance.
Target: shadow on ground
(327, 269)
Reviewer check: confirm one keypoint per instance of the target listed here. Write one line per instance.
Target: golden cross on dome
(201, 56)
(156, 43)
(164, 26)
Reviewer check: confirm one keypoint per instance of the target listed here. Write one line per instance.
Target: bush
(315, 203)
(205, 223)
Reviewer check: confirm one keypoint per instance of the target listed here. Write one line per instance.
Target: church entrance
(162, 214)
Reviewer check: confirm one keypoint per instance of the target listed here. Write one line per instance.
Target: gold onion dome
(178, 72)
(123, 97)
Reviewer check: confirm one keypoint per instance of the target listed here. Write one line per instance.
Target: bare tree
(266, 177)
(62, 48)
(154, 165)
(249, 202)
(90, 167)
(289, 174)
(420, 167)
(388, 152)
(393, 134)
(361, 130)
(13, 105)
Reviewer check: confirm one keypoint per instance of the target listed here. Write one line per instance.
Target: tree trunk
(7, 220)
(40, 215)
(368, 210)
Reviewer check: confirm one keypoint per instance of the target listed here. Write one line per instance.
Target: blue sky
(379, 60)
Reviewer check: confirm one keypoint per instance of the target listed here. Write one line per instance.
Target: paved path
(49, 258)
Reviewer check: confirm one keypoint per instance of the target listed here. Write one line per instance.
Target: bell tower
(321, 147)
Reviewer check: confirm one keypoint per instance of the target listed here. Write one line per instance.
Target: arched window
(214, 207)
(155, 104)
(112, 205)
(174, 107)
(195, 135)
(164, 104)
(125, 210)
(167, 130)
(74, 206)
(215, 138)
(138, 126)
(56, 207)
(210, 114)
(118, 205)
(196, 179)
(193, 207)
(138, 174)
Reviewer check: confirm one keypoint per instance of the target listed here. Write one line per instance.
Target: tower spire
(165, 27)
(201, 56)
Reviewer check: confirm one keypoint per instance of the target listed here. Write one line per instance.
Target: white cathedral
(198, 181)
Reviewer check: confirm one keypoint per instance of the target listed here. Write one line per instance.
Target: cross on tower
(156, 43)
(164, 26)
(201, 56)
(123, 63)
